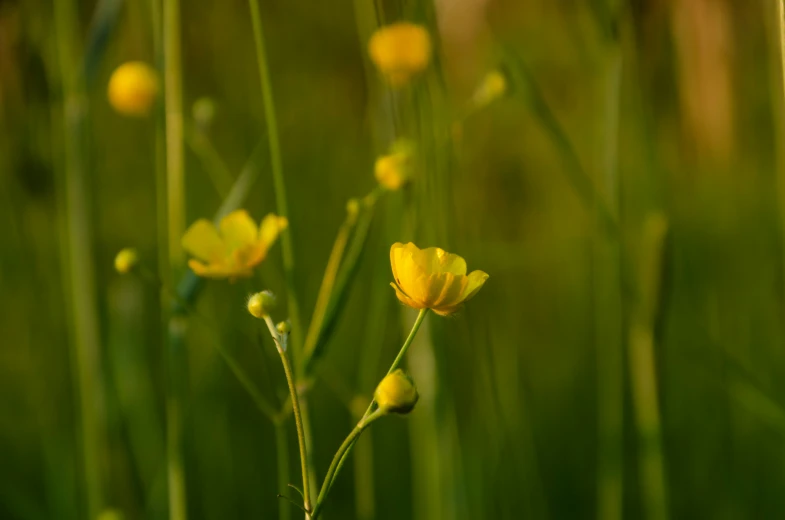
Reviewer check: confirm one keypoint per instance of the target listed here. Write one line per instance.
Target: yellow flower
(432, 278)
(133, 88)
(400, 51)
(126, 260)
(236, 249)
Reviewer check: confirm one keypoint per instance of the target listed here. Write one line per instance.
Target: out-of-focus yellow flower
(394, 169)
(400, 51)
(236, 249)
(493, 86)
(396, 393)
(126, 260)
(133, 88)
(432, 278)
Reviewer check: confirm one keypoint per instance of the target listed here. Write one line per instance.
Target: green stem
(396, 363)
(175, 155)
(280, 345)
(346, 448)
(282, 455)
(175, 179)
(78, 257)
(174, 418)
(277, 170)
(339, 458)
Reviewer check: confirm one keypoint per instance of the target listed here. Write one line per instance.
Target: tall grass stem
(85, 342)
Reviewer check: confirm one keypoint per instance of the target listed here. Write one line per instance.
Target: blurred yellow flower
(400, 51)
(126, 260)
(236, 249)
(133, 88)
(432, 278)
(394, 169)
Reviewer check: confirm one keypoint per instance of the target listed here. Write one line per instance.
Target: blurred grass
(508, 423)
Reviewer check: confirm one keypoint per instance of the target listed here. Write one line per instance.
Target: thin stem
(174, 418)
(78, 258)
(175, 179)
(346, 448)
(280, 345)
(277, 170)
(328, 281)
(396, 363)
(175, 155)
(338, 459)
(282, 455)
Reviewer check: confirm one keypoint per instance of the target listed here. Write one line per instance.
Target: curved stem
(339, 458)
(406, 344)
(369, 416)
(280, 345)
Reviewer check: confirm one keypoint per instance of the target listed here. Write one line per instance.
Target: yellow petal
(453, 290)
(270, 228)
(409, 276)
(450, 263)
(405, 299)
(238, 229)
(475, 282)
(202, 241)
(446, 311)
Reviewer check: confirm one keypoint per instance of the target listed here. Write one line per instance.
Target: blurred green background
(608, 369)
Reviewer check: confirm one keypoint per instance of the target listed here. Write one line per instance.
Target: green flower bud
(396, 393)
(284, 327)
(203, 112)
(126, 260)
(261, 304)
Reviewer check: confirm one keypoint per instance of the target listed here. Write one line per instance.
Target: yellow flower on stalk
(400, 51)
(432, 278)
(133, 88)
(234, 250)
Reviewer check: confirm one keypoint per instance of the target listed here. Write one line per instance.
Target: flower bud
(284, 327)
(261, 304)
(133, 88)
(493, 86)
(126, 260)
(352, 207)
(203, 112)
(394, 169)
(396, 393)
(111, 514)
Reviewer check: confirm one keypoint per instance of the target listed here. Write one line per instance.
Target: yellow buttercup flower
(133, 88)
(400, 51)
(236, 249)
(432, 278)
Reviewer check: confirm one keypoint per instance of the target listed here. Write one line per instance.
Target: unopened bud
(203, 112)
(396, 393)
(284, 327)
(261, 304)
(126, 260)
